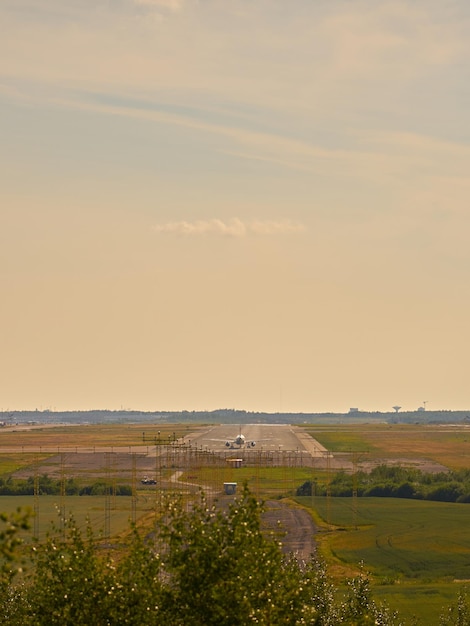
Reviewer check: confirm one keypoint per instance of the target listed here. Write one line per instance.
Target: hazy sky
(253, 204)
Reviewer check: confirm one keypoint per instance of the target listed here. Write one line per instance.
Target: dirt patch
(294, 527)
(424, 465)
(90, 465)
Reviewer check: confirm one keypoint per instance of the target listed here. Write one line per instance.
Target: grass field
(265, 482)
(11, 462)
(89, 435)
(448, 445)
(80, 507)
(425, 602)
(400, 539)
(417, 552)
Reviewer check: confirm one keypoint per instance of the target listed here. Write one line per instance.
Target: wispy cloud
(230, 228)
(170, 5)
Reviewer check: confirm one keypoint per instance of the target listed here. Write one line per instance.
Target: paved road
(295, 527)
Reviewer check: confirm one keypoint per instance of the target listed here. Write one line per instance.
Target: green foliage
(12, 602)
(201, 566)
(140, 591)
(71, 581)
(359, 610)
(390, 481)
(241, 574)
(9, 543)
(457, 614)
(76, 582)
(51, 487)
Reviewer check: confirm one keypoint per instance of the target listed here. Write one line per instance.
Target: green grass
(12, 462)
(265, 482)
(81, 508)
(417, 552)
(447, 444)
(400, 539)
(426, 602)
(338, 440)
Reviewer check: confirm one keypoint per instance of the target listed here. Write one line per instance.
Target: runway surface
(266, 437)
(278, 444)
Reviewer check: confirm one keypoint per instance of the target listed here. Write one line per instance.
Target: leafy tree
(457, 614)
(396, 482)
(72, 583)
(12, 604)
(359, 609)
(405, 490)
(225, 570)
(305, 488)
(206, 565)
(140, 590)
(9, 542)
(449, 492)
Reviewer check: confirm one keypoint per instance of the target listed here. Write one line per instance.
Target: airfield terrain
(84, 447)
(64, 452)
(286, 444)
(187, 458)
(423, 546)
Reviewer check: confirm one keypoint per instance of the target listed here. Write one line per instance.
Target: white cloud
(272, 228)
(170, 5)
(400, 36)
(231, 228)
(234, 227)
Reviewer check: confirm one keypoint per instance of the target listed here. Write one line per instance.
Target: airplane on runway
(240, 441)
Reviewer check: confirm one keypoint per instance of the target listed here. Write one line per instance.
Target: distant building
(354, 409)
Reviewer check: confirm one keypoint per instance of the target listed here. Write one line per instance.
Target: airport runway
(276, 444)
(267, 438)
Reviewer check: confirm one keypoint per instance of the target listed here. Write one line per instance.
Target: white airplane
(240, 441)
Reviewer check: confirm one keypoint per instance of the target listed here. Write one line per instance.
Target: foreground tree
(225, 570)
(9, 543)
(457, 614)
(205, 566)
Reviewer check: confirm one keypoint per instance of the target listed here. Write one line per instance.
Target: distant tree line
(50, 487)
(231, 416)
(395, 482)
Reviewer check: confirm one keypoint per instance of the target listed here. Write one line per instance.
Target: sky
(250, 204)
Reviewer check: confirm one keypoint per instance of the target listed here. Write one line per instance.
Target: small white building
(230, 488)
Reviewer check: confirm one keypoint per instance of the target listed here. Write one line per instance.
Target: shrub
(203, 566)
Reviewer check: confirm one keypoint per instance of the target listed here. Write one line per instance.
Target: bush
(446, 493)
(405, 490)
(396, 482)
(203, 566)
